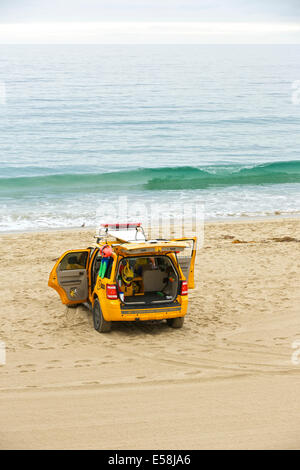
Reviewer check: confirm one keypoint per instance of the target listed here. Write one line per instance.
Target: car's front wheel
(175, 322)
(100, 324)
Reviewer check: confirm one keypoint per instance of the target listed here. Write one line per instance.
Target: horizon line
(150, 44)
(150, 32)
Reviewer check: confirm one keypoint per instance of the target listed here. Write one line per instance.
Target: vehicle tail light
(111, 292)
(184, 288)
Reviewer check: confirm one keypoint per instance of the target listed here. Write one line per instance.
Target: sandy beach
(225, 380)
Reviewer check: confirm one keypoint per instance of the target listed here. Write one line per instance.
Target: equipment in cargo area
(147, 280)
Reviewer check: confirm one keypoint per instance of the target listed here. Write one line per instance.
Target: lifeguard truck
(126, 277)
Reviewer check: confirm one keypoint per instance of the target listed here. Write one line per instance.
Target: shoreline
(219, 221)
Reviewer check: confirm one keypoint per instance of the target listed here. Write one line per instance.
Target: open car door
(69, 277)
(186, 259)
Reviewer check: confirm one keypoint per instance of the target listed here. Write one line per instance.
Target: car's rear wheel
(100, 324)
(175, 322)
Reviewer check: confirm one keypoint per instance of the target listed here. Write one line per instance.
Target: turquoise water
(83, 125)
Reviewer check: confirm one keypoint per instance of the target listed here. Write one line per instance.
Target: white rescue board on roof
(127, 235)
(151, 247)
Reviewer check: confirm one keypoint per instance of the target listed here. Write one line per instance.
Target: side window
(185, 257)
(96, 268)
(188, 251)
(75, 260)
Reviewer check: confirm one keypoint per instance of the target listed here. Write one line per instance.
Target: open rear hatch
(150, 247)
(151, 279)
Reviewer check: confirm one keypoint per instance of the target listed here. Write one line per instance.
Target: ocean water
(82, 126)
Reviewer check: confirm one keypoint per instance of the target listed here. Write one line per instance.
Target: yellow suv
(141, 280)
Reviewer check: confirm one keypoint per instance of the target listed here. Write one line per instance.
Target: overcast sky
(167, 21)
(14, 11)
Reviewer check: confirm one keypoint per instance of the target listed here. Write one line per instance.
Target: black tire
(100, 324)
(175, 322)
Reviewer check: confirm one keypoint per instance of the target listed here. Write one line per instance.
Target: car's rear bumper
(116, 312)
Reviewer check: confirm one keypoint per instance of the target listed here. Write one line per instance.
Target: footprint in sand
(194, 372)
(91, 383)
(82, 365)
(26, 365)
